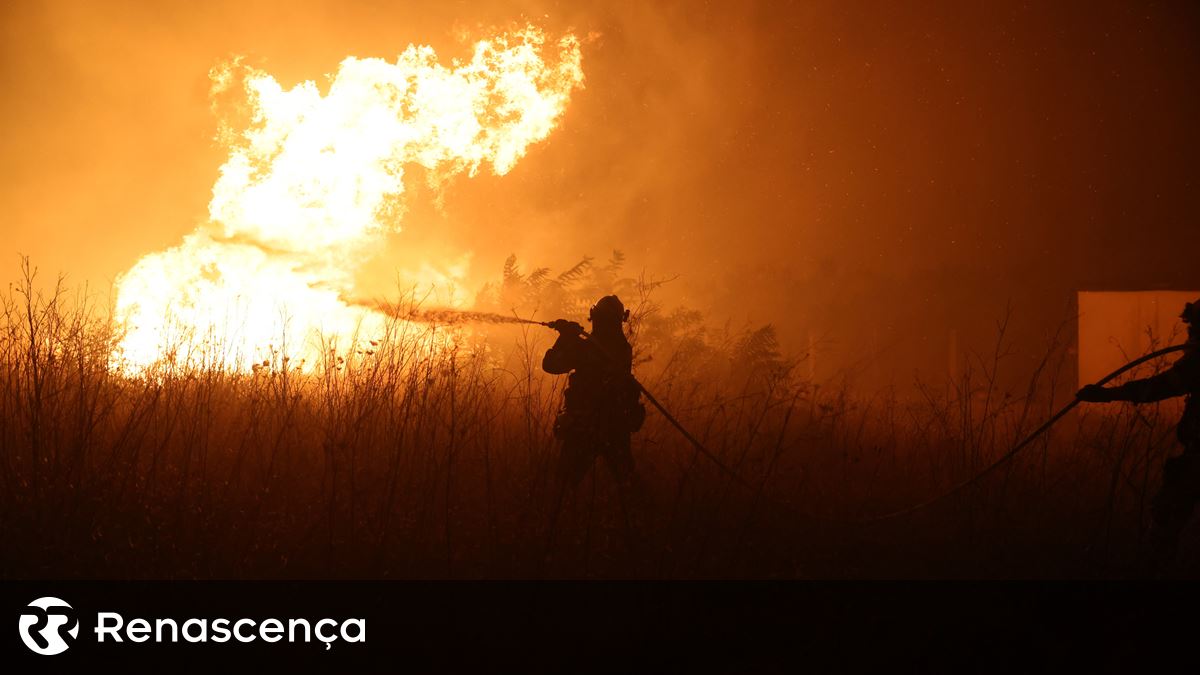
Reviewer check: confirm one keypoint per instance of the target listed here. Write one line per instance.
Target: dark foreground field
(431, 455)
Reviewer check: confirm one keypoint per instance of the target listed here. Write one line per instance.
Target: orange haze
(878, 179)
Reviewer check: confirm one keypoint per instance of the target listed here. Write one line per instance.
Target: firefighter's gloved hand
(566, 327)
(1094, 393)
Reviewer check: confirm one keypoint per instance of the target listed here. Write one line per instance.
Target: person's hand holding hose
(1095, 393)
(566, 327)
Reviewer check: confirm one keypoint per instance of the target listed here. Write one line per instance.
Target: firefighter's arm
(1168, 384)
(563, 356)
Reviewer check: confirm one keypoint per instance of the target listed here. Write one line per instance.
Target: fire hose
(955, 489)
(654, 401)
(1006, 457)
(453, 316)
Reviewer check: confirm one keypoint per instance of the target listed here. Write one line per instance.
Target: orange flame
(314, 183)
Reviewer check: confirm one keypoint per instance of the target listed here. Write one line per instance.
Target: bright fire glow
(315, 182)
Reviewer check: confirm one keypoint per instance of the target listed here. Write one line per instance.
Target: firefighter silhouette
(601, 406)
(1172, 507)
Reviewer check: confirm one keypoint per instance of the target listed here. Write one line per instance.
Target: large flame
(313, 184)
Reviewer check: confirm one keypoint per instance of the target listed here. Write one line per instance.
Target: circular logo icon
(49, 626)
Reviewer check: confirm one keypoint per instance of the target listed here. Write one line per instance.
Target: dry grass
(431, 455)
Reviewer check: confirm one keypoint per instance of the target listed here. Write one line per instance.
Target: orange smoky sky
(877, 174)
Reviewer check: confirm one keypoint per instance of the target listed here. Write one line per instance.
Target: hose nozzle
(565, 327)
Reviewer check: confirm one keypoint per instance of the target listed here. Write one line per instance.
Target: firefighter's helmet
(608, 308)
(1191, 314)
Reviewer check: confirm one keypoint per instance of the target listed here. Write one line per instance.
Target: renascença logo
(49, 626)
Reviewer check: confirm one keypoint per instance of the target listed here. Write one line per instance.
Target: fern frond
(512, 274)
(572, 275)
(616, 262)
